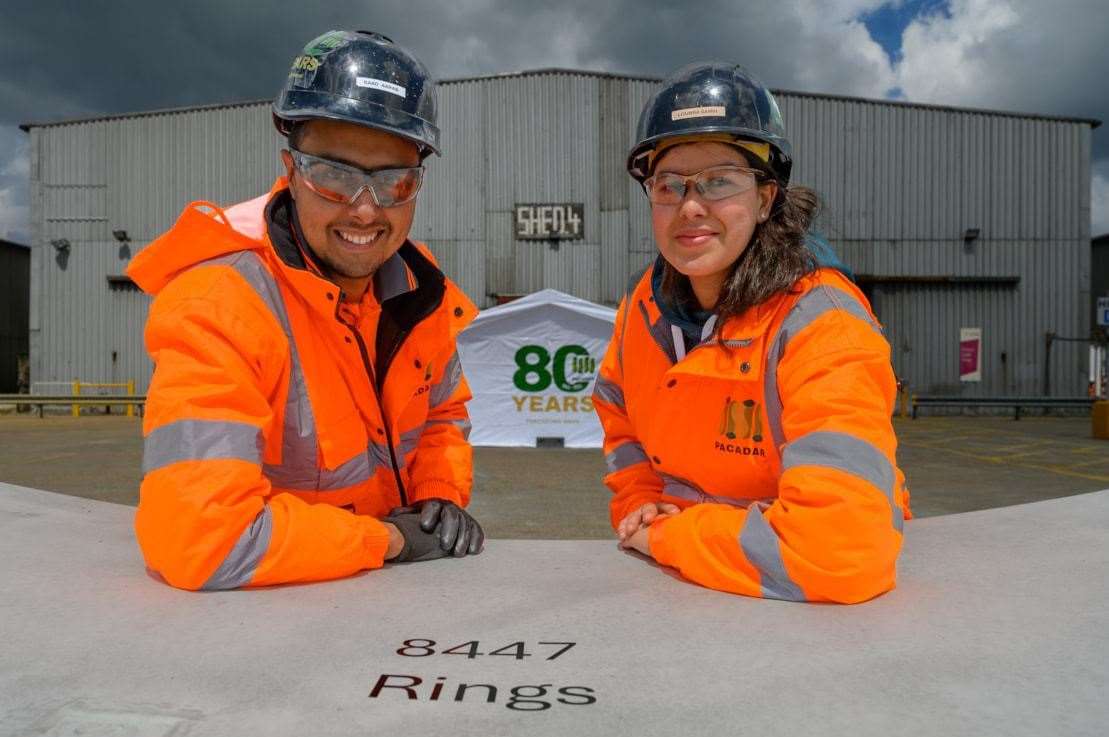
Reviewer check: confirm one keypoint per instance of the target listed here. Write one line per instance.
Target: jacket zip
(377, 394)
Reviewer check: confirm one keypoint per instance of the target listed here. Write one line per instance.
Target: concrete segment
(998, 627)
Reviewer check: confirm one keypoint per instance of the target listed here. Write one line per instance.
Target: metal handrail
(1015, 402)
(40, 400)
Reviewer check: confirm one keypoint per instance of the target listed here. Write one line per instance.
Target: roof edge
(1092, 122)
(26, 127)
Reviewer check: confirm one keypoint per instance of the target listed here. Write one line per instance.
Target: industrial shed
(951, 218)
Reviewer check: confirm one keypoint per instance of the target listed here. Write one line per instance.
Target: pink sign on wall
(970, 354)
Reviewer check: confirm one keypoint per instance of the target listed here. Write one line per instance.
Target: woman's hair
(772, 263)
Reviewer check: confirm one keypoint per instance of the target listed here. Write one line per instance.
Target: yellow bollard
(75, 409)
(130, 393)
(1101, 420)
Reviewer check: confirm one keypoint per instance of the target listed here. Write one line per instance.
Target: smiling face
(702, 238)
(351, 240)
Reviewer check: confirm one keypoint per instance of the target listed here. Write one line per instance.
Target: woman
(747, 392)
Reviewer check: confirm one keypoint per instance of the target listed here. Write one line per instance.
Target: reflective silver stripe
(763, 550)
(380, 452)
(660, 331)
(391, 279)
(462, 424)
(708, 327)
(623, 456)
(201, 440)
(849, 454)
(446, 386)
(238, 567)
(683, 489)
(733, 502)
(674, 486)
(407, 443)
(609, 391)
(299, 448)
(810, 307)
(355, 471)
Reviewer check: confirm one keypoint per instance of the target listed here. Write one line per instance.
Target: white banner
(531, 365)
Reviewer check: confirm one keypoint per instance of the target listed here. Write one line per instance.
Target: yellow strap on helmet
(759, 149)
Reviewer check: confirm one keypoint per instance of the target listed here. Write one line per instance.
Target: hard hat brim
(301, 105)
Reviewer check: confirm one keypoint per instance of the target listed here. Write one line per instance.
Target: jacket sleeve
(630, 477)
(443, 463)
(834, 532)
(207, 517)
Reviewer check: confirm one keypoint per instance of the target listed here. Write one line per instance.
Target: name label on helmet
(381, 84)
(710, 111)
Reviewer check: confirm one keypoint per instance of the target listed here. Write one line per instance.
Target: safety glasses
(714, 183)
(344, 183)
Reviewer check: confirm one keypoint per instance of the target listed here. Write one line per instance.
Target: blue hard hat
(706, 98)
(364, 78)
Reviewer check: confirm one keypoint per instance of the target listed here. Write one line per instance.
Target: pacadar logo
(570, 369)
(740, 421)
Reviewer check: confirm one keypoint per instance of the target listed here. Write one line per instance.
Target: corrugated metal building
(952, 218)
(15, 304)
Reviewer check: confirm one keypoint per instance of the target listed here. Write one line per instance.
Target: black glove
(418, 544)
(458, 533)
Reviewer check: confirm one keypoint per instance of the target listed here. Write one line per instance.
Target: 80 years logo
(571, 368)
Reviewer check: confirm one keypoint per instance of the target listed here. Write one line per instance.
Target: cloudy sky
(61, 59)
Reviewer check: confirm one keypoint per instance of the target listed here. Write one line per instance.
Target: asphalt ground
(953, 464)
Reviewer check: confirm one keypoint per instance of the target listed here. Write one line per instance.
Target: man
(306, 419)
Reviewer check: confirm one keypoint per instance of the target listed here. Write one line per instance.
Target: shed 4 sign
(545, 222)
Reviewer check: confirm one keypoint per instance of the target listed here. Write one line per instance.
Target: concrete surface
(999, 626)
(953, 464)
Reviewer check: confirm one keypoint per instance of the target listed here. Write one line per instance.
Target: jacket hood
(202, 232)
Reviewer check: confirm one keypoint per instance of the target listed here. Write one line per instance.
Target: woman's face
(702, 238)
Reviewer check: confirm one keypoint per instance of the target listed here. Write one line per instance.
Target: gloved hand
(458, 533)
(418, 544)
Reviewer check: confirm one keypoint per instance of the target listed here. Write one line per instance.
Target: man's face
(351, 240)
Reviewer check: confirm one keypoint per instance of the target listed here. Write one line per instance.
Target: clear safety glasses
(344, 183)
(714, 183)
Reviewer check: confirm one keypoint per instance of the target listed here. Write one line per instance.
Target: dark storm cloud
(66, 60)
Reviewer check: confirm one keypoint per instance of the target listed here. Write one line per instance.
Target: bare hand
(643, 517)
(640, 539)
(396, 541)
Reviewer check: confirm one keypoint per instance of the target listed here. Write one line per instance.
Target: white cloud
(15, 168)
(950, 58)
(14, 217)
(1099, 200)
(842, 57)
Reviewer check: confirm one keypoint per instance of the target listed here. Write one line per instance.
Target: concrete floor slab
(998, 627)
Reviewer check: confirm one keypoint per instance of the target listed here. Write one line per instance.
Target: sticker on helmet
(325, 43)
(380, 84)
(711, 111)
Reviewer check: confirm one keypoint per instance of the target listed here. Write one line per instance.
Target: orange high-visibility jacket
(778, 445)
(280, 422)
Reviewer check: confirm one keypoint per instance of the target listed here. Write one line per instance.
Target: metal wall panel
(449, 212)
(902, 184)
